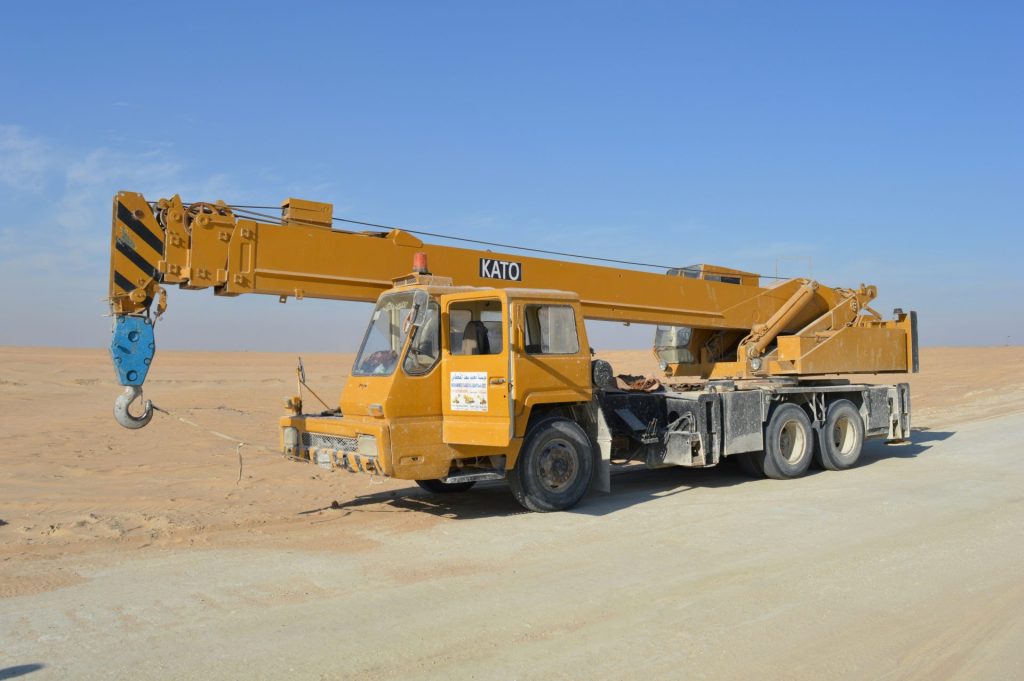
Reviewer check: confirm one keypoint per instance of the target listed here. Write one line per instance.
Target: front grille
(335, 442)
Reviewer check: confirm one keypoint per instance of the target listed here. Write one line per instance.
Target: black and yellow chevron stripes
(137, 248)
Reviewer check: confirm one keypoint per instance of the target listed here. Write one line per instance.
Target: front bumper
(335, 443)
(332, 452)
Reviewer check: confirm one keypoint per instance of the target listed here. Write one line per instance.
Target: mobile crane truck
(476, 365)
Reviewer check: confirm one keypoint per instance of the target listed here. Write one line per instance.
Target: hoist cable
(250, 210)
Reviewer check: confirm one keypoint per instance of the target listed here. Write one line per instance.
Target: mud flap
(590, 417)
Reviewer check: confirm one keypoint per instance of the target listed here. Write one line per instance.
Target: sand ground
(145, 555)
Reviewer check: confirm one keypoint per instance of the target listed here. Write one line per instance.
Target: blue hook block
(132, 349)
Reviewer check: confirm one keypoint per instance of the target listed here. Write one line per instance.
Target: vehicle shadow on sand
(631, 485)
(921, 440)
(19, 670)
(485, 500)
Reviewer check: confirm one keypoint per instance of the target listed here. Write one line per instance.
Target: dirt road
(142, 556)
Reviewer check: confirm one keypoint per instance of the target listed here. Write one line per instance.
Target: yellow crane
(476, 365)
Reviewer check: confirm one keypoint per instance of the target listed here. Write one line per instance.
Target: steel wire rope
(249, 210)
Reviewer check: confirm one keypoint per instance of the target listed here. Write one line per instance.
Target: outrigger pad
(132, 348)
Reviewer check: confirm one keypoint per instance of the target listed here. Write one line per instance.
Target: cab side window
(475, 328)
(551, 330)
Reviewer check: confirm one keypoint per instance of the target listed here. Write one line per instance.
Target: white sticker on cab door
(469, 391)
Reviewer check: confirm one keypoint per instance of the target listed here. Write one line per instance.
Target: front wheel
(554, 467)
(440, 487)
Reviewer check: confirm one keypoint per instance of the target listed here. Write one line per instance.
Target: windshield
(385, 337)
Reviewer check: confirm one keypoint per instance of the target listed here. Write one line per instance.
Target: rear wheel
(842, 437)
(440, 487)
(554, 467)
(788, 443)
(751, 463)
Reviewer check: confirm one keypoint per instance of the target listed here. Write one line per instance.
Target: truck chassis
(689, 425)
(698, 426)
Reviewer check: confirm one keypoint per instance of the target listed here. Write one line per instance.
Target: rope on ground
(238, 443)
(374, 478)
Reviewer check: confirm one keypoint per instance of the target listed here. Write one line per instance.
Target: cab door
(476, 381)
(551, 355)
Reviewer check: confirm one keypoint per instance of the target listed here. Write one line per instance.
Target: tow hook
(125, 417)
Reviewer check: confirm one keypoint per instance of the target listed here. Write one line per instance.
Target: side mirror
(418, 314)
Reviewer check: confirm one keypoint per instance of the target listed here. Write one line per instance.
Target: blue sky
(883, 140)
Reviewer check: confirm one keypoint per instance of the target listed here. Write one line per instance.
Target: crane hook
(125, 417)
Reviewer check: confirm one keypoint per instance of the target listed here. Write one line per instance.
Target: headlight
(366, 445)
(291, 437)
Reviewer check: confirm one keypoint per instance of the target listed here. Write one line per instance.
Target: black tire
(438, 487)
(842, 437)
(751, 463)
(554, 467)
(788, 443)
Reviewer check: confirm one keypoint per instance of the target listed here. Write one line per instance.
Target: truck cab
(446, 382)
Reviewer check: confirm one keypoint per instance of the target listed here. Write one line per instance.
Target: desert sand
(170, 552)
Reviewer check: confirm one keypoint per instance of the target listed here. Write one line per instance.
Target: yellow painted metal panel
(476, 388)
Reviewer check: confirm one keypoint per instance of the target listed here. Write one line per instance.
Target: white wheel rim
(844, 436)
(792, 441)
